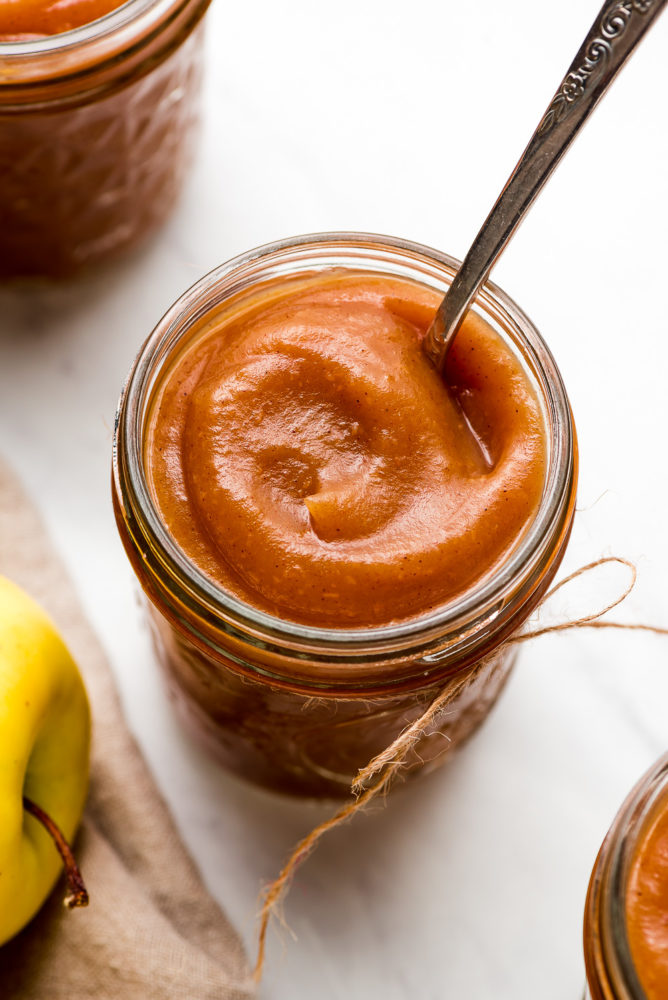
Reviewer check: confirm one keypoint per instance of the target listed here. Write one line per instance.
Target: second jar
(626, 912)
(96, 134)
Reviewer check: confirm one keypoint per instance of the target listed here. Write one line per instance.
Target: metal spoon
(615, 33)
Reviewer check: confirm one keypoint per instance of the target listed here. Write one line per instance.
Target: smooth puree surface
(305, 454)
(647, 906)
(23, 19)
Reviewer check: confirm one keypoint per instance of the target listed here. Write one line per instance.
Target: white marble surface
(406, 119)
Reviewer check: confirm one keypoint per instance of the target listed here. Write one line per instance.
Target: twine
(387, 764)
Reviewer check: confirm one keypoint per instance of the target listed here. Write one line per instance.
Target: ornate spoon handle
(616, 31)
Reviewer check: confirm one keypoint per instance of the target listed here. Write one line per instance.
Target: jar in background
(96, 132)
(299, 708)
(612, 973)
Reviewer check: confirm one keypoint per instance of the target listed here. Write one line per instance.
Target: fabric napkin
(151, 932)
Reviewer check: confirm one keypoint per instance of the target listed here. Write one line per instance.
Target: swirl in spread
(305, 455)
(24, 19)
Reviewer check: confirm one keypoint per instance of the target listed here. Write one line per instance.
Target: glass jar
(611, 974)
(299, 708)
(96, 128)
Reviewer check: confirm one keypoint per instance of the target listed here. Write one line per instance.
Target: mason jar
(96, 134)
(299, 708)
(612, 973)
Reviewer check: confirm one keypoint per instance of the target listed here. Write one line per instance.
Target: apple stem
(78, 895)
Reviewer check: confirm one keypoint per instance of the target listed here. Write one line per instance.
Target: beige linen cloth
(151, 932)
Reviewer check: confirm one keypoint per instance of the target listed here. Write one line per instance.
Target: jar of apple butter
(96, 131)
(626, 913)
(328, 535)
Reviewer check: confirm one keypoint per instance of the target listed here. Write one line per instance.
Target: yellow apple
(44, 752)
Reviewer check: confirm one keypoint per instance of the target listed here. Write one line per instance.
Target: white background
(404, 118)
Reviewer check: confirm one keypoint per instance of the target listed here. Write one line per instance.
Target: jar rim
(485, 603)
(617, 853)
(106, 36)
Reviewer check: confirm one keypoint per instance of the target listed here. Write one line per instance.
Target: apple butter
(329, 534)
(307, 456)
(34, 18)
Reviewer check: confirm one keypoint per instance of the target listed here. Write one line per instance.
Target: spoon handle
(616, 31)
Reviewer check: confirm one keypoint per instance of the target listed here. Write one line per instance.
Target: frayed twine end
(376, 778)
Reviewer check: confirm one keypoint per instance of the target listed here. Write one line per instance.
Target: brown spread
(305, 454)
